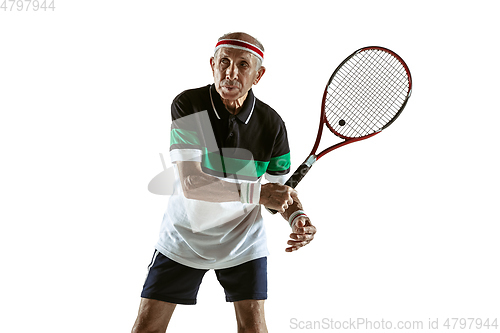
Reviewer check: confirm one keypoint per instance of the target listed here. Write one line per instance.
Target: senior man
(223, 141)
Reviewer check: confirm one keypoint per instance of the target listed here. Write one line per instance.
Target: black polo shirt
(243, 146)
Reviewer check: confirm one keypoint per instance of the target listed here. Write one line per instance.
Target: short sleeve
(185, 139)
(279, 165)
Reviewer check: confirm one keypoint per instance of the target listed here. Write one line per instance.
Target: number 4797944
(27, 5)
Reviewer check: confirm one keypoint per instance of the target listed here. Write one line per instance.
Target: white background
(407, 221)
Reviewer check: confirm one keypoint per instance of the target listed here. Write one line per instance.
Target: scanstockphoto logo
(197, 209)
(354, 324)
(473, 324)
(192, 139)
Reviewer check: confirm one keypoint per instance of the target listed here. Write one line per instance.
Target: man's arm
(200, 186)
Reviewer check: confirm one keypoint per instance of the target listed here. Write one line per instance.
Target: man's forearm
(199, 186)
(207, 188)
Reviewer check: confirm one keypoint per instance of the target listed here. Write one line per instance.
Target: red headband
(241, 45)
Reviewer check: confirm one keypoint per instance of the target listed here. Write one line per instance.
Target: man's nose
(231, 72)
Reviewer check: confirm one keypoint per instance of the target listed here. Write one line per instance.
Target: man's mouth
(230, 84)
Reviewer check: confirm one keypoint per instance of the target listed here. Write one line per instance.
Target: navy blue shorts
(172, 282)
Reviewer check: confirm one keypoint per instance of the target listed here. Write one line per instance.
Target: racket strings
(366, 93)
(362, 93)
(377, 82)
(373, 117)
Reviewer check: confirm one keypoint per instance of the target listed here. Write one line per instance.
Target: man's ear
(260, 73)
(212, 64)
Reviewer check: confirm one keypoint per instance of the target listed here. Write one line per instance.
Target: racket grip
(297, 176)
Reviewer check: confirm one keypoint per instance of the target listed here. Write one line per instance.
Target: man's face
(235, 72)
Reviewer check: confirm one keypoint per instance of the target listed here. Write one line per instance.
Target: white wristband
(250, 193)
(294, 216)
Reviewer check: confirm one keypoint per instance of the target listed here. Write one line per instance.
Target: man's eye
(224, 61)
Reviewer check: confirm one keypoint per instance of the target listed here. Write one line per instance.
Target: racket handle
(297, 176)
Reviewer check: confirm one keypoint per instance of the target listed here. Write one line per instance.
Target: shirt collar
(221, 112)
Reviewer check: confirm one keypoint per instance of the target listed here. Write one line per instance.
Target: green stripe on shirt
(228, 165)
(279, 163)
(234, 166)
(243, 167)
(182, 136)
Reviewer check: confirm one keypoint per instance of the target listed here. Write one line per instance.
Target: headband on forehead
(240, 45)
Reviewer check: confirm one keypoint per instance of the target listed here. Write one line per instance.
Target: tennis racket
(364, 95)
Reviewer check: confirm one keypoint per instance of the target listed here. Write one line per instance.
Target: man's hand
(276, 196)
(303, 234)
